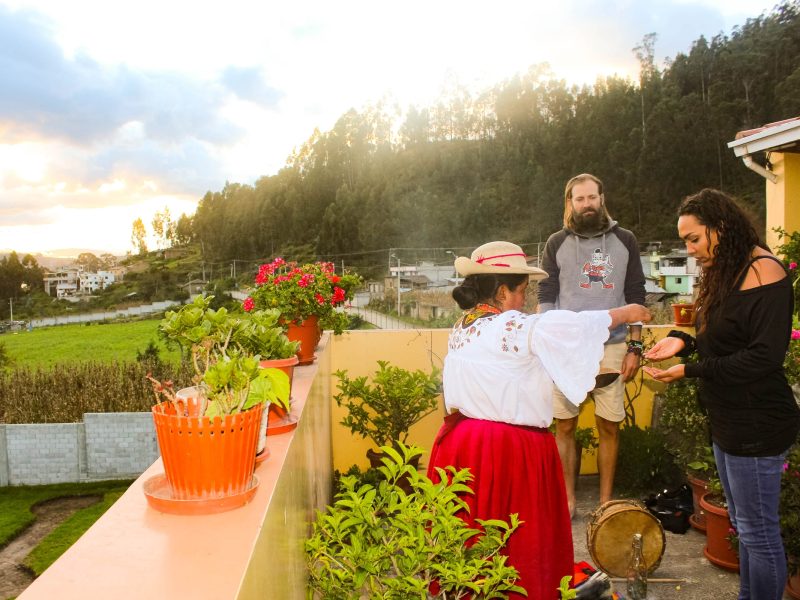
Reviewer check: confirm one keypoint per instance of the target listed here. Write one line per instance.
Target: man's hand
(666, 376)
(630, 365)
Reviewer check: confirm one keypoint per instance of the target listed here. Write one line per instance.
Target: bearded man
(593, 264)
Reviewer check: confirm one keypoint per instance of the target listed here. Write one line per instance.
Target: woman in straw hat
(498, 383)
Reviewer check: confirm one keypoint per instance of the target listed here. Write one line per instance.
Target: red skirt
(516, 469)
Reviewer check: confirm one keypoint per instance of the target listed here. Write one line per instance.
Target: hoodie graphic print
(594, 272)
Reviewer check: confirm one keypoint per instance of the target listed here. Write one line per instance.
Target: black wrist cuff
(688, 341)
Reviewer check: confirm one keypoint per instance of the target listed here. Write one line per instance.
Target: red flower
(338, 295)
(248, 304)
(334, 278)
(318, 297)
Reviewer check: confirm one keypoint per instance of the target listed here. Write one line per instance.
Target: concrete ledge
(255, 551)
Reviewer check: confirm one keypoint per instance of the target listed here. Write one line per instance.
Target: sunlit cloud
(113, 110)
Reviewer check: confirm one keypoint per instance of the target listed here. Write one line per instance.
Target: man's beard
(589, 221)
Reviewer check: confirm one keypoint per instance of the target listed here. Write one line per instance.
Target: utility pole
(398, 284)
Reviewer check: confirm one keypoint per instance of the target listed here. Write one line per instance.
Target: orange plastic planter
(205, 458)
(308, 334)
(280, 420)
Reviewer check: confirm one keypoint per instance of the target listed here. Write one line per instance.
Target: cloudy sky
(112, 110)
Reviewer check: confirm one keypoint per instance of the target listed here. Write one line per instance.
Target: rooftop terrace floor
(683, 557)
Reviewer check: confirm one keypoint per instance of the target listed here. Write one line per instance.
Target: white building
(91, 282)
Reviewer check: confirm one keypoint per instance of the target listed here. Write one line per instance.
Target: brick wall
(104, 446)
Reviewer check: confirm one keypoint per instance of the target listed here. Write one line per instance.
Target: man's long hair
(737, 237)
(569, 217)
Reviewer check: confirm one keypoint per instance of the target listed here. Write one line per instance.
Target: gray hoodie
(592, 273)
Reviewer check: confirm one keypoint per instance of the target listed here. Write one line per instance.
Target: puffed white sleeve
(570, 347)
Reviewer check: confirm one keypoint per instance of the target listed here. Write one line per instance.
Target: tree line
(492, 165)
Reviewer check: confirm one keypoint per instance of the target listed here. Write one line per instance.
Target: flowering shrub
(790, 250)
(733, 540)
(301, 291)
(790, 507)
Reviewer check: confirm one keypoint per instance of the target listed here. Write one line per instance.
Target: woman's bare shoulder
(763, 271)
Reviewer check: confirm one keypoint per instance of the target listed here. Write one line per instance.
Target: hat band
(485, 258)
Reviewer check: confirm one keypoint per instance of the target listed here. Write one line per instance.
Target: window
(679, 280)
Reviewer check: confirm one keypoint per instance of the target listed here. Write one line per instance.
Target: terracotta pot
(793, 586)
(280, 420)
(683, 314)
(698, 518)
(718, 525)
(206, 458)
(307, 333)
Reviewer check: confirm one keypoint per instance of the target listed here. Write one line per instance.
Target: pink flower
(792, 265)
(796, 334)
(248, 304)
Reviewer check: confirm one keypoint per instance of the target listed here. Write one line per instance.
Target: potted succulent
(307, 297)
(260, 332)
(379, 541)
(384, 410)
(208, 433)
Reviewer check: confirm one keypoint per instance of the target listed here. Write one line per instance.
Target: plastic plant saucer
(285, 425)
(262, 456)
(159, 496)
(307, 361)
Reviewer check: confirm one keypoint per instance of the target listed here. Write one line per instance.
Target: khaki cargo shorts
(609, 402)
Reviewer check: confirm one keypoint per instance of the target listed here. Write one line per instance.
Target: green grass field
(45, 346)
(15, 515)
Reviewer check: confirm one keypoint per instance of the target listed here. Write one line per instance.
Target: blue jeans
(752, 486)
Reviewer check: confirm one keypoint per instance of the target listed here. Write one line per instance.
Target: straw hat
(497, 257)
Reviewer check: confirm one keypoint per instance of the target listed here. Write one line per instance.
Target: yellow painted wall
(358, 351)
(783, 197)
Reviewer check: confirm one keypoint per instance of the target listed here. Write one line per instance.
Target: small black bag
(672, 508)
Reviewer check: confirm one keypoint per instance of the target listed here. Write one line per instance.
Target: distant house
(62, 283)
(91, 282)
(678, 272)
(195, 286)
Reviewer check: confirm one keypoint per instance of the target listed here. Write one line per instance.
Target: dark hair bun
(466, 295)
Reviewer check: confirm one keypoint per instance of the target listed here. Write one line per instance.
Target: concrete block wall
(119, 444)
(43, 453)
(104, 446)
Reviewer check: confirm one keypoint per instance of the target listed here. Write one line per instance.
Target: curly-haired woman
(743, 324)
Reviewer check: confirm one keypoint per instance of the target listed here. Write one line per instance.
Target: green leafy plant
(381, 542)
(789, 249)
(585, 438)
(300, 291)
(790, 507)
(566, 592)
(644, 463)
(226, 372)
(385, 410)
(685, 425)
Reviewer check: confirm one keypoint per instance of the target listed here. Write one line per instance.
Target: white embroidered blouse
(502, 367)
